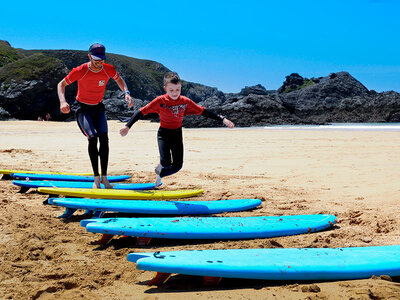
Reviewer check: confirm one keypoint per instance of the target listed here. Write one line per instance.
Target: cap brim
(98, 57)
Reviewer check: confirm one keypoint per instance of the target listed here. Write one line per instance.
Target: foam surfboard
(121, 194)
(27, 184)
(63, 177)
(166, 207)
(211, 227)
(276, 264)
(6, 173)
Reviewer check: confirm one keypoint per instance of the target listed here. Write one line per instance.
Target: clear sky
(224, 44)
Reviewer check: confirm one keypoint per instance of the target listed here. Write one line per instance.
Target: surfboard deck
(163, 207)
(63, 177)
(80, 184)
(121, 194)
(7, 173)
(276, 264)
(211, 227)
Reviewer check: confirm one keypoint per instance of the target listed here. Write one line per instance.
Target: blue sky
(224, 44)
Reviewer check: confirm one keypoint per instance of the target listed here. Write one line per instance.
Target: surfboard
(211, 227)
(63, 177)
(6, 173)
(27, 184)
(276, 264)
(166, 207)
(121, 194)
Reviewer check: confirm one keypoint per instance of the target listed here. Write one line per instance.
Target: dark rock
(255, 90)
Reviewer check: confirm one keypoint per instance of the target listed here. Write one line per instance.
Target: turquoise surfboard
(276, 264)
(64, 177)
(26, 184)
(155, 207)
(211, 227)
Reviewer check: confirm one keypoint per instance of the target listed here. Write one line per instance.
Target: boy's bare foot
(96, 183)
(106, 183)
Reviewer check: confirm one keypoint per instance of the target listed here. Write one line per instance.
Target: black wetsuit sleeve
(135, 117)
(211, 115)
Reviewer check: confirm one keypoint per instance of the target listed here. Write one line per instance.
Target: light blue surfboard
(211, 227)
(276, 264)
(63, 177)
(154, 207)
(26, 184)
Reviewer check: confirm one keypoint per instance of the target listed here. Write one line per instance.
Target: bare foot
(96, 183)
(106, 183)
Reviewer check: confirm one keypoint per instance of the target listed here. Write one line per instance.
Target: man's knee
(103, 138)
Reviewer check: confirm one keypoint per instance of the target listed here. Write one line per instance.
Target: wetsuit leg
(94, 155)
(86, 125)
(104, 153)
(170, 144)
(102, 133)
(164, 148)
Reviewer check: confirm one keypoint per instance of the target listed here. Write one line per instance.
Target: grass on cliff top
(29, 68)
(8, 54)
(306, 83)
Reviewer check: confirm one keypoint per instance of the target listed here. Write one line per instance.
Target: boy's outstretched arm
(211, 115)
(135, 117)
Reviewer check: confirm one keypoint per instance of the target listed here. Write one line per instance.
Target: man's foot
(106, 183)
(158, 169)
(158, 181)
(96, 183)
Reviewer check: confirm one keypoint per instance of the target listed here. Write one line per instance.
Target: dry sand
(352, 174)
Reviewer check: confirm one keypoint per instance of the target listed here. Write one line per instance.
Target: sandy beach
(351, 174)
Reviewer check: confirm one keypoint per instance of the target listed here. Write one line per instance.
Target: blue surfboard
(276, 264)
(80, 184)
(63, 177)
(155, 207)
(211, 227)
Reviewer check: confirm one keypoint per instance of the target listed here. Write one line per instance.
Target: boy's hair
(171, 77)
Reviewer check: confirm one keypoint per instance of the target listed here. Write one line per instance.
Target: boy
(171, 107)
(92, 79)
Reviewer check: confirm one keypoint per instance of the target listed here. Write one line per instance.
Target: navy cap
(97, 51)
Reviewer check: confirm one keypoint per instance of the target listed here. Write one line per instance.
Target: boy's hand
(228, 123)
(124, 131)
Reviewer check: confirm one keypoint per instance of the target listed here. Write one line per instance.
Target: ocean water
(341, 126)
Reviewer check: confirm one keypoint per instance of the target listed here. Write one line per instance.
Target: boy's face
(173, 90)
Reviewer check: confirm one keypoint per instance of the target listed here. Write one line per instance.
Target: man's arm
(124, 88)
(64, 106)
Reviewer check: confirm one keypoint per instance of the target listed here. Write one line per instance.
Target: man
(92, 79)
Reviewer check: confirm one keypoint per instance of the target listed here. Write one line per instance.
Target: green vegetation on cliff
(33, 67)
(8, 54)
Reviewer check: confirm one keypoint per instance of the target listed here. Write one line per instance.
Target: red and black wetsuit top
(91, 85)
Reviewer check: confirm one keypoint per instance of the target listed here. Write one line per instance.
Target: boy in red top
(171, 107)
(92, 79)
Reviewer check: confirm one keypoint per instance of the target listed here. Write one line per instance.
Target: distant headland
(28, 80)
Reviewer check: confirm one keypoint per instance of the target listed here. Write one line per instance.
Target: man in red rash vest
(92, 78)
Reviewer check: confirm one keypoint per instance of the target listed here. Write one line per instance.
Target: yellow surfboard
(8, 172)
(121, 194)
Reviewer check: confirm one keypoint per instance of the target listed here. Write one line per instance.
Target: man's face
(173, 90)
(96, 64)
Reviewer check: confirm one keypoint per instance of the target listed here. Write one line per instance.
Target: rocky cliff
(28, 80)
